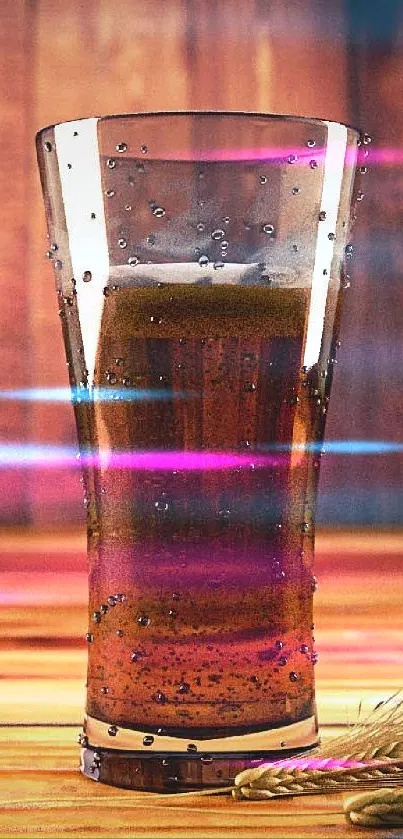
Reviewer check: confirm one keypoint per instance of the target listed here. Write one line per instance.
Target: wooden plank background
(61, 59)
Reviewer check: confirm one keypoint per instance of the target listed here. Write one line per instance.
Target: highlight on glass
(201, 261)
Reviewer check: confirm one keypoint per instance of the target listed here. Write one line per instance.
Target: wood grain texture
(15, 367)
(42, 793)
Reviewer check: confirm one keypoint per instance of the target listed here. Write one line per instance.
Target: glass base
(192, 766)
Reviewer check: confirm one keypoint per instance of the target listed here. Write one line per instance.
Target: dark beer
(201, 537)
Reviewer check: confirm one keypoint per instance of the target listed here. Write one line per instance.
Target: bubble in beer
(304, 648)
(314, 657)
(105, 690)
(293, 677)
(268, 229)
(87, 276)
(89, 637)
(133, 260)
(111, 163)
(161, 698)
(120, 633)
(104, 608)
(126, 381)
(96, 617)
(121, 147)
(183, 687)
(283, 660)
(217, 234)
(314, 584)
(279, 645)
(112, 600)
(159, 212)
(122, 243)
(144, 620)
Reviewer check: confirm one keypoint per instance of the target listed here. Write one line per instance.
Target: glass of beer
(200, 262)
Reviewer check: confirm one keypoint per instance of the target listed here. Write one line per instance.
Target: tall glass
(199, 262)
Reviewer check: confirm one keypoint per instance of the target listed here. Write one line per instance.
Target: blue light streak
(97, 394)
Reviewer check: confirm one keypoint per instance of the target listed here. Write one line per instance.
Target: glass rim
(270, 117)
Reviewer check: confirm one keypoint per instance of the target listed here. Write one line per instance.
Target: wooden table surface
(359, 623)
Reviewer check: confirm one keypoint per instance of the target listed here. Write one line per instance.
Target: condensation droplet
(158, 212)
(363, 170)
(313, 164)
(183, 687)
(89, 637)
(283, 660)
(331, 237)
(263, 179)
(295, 248)
(292, 158)
(311, 143)
(161, 505)
(203, 261)
(226, 220)
(120, 633)
(109, 193)
(161, 698)
(150, 239)
(296, 190)
(48, 146)
(122, 243)
(104, 690)
(121, 147)
(113, 730)
(268, 229)
(143, 149)
(156, 319)
(217, 234)
(360, 196)
(144, 620)
(148, 740)
(322, 215)
(111, 163)
(58, 264)
(367, 139)
(133, 260)
(218, 264)
(191, 747)
(128, 207)
(93, 216)
(293, 677)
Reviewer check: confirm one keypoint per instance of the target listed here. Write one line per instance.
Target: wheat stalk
(384, 807)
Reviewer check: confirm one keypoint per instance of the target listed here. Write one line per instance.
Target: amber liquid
(201, 514)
